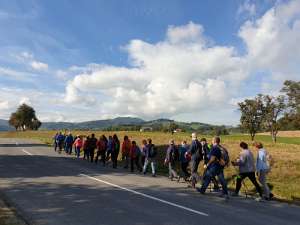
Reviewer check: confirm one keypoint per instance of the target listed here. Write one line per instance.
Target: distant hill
(4, 126)
(92, 125)
(122, 123)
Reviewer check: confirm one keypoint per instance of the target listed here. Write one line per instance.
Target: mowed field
(284, 178)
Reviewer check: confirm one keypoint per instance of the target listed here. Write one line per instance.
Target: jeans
(172, 172)
(194, 169)
(210, 174)
(68, 148)
(152, 162)
(262, 178)
(77, 151)
(251, 176)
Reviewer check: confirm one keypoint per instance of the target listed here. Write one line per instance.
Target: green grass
(284, 177)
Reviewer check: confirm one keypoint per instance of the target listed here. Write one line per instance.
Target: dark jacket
(196, 150)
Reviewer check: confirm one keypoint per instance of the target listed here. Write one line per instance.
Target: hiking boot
(153, 175)
(200, 191)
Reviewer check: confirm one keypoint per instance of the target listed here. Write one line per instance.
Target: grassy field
(284, 178)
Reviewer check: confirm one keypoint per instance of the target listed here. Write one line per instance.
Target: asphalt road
(47, 188)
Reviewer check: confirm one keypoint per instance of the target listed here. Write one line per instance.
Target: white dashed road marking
(146, 196)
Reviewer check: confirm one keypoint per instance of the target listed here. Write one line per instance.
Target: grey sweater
(246, 161)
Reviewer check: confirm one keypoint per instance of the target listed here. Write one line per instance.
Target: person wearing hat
(196, 156)
(171, 157)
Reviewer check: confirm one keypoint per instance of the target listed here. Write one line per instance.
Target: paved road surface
(48, 188)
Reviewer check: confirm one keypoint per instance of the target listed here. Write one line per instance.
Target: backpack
(268, 160)
(224, 160)
(152, 151)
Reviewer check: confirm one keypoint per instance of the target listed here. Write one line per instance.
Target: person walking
(150, 157)
(215, 167)
(55, 144)
(69, 140)
(143, 152)
(171, 157)
(196, 156)
(246, 165)
(115, 151)
(78, 143)
(135, 154)
(184, 161)
(263, 166)
(86, 154)
(206, 152)
(92, 146)
(60, 142)
(126, 146)
(101, 149)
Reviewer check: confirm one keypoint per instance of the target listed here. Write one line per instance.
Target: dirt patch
(8, 216)
(294, 133)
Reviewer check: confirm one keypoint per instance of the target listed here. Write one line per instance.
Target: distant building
(177, 130)
(144, 129)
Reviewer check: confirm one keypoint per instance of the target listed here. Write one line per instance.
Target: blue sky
(85, 60)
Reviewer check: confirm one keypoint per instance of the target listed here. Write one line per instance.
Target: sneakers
(258, 199)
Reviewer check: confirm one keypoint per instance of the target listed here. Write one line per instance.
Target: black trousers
(135, 161)
(114, 158)
(184, 166)
(102, 155)
(251, 176)
(92, 153)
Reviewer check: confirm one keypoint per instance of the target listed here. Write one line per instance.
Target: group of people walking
(108, 149)
(215, 159)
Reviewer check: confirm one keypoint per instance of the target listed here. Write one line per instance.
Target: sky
(186, 60)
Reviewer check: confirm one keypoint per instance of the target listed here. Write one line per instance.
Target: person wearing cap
(171, 157)
(196, 156)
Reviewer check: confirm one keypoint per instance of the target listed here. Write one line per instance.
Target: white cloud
(272, 41)
(247, 8)
(40, 66)
(25, 100)
(185, 73)
(182, 73)
(4, 105)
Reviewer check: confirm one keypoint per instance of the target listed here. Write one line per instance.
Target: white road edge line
(28, 153)
(146, 196)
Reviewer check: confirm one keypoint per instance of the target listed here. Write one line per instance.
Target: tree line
(272, 113)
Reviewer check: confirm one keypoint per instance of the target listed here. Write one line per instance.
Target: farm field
(284, 178)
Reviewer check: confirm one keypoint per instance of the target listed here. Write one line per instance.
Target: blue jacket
(182, 151)
(69, 140)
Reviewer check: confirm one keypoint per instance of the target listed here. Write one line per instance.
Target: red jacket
(126, 146)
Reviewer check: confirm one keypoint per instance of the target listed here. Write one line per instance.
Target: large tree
(291, 119)
(24, 118)
(252, 115)
(273, 109)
